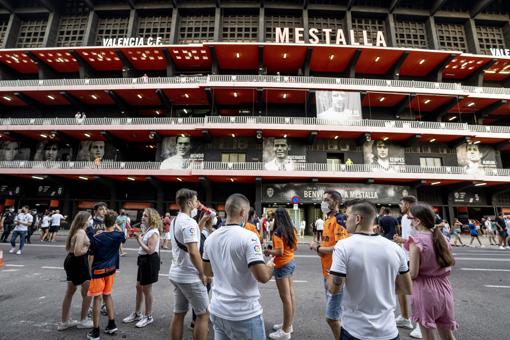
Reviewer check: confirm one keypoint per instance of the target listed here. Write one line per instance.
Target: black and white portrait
(95, 150)
(13, 151)
(178, 153)
(50, 151)
(475, 158)
(338, 106)
(383, 155)
(280, 154)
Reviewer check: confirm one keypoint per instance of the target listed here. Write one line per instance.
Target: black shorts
(148, 269)
(77, 268)
(503, 234)
(54, 228)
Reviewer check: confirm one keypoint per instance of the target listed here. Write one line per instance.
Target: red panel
(382, 99)
(377, 61)
(59, 60)
(391, 136)
(9, 99)
(139, 97)
(503, 110)
(234, 96)
(499, 71)
(93, 97)
(104, 59)
(470, 105)
(463, 66)
(48, 98)
(187, 96)
(428, 103)
(284, 58)
(146, 58)
(134, 136)
(438, 138)
(191, 57)
(237, 57)
(19, 61)
(80, 135)
(330, 59)
(421, 63)
(284, 96)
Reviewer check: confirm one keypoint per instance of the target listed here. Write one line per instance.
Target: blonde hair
(79, 222)
(153, 219)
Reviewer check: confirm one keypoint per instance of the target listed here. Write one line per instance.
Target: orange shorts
(101, 286)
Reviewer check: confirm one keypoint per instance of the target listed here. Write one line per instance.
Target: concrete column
(430, 28)
(391, 32)
(133, 23)
(50, 36)
(217, 24)
(11, 33)
(472, 37)
(91, 30)
(174, 34)
(262, 26)
(348, 25)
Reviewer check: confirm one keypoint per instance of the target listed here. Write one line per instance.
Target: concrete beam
(411, 140)
(75, 102)
(476, 78)
(128, 70)
(351, 69)
(393, 5)
(163, 99)
(436, 75)
(113, 140)
(402, 106)
(118, 100)
(479, 6)
(45, 72)
(312, 136)
(485, 112)
(459, 141)
(86, 71)
(5, 4)
(29, 101)
(48, 5)
(436, 6)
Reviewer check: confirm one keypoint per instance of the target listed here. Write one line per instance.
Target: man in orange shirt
(333, 231)
(252, 227)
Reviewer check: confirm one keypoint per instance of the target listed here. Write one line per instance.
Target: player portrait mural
(51, 151)
(476, 158)
(338, 106)
(14, 151)
(179, 153)
(95, 150)
(282, 154)
(383, 154)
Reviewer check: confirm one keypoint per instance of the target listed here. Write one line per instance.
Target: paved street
(32, 287)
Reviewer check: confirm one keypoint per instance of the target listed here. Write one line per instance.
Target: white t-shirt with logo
(146, 238)
(186, 230)
(407, 230)
(231, 250)
(55, 219)
(46, 221)
(22, 217)
(370, 264)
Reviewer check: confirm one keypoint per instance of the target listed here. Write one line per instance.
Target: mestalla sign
(282, 35)
(313, 193)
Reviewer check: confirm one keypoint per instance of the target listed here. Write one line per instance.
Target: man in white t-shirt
(55, 222)
(369, 269)
(406, 230)
(186, 271)
(319, 226)
(21, 224)
(234, 256)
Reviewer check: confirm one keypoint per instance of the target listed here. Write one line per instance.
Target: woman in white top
(45, 225)
(148, 267)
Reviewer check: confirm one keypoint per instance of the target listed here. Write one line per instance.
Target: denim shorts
(252, 329)
(333, 304)
(285, 271)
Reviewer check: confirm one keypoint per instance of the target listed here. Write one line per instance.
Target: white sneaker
(500, 247)
(403, 322)
(85, 324)
(416, 333)
(65, 325)
(279, 334)
(133, 317)
(12, 250)
(146, 320)
(280, 325)
(18, 252)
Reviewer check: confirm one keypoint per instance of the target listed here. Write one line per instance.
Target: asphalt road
(32, 288)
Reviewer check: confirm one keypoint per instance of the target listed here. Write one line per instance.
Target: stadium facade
(127, 101)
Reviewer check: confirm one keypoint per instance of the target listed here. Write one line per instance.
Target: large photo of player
(338, 106)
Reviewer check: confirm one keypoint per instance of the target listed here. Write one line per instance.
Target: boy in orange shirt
(333, 232)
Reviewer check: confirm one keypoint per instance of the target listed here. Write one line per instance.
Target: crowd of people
(370, 262)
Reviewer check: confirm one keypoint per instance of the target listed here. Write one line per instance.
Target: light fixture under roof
(94, 97)
(185, 111)
(238, 55)
(186, 95)
(377, 59)
(331, 57)
(38, 177)
(233, 135)
(285, 56)
(432, 140)
(285, 136)
(336, 137)
(179, 179)
(382, 99)
(43, 135)
(452, 118)
(183, 135)
(87, 135)
(480, 184)
(139, 96)
(435, 183)
(51, 97)
(7, 98)
(131, 179)
(284, 95)
(476, 142)
(422, 61)
(426, 101)
(235, 94)
(231, 179)
(83, 178)
(385, 138)
(471, 104)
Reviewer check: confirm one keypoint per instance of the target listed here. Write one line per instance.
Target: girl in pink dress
(430, 266)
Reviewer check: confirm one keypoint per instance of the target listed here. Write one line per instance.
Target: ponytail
(444, 256)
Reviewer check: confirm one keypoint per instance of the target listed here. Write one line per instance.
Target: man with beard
(281, 152)
(181, 158)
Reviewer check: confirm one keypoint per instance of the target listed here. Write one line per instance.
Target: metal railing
(282, 81)
(373, 170)
(203, 122)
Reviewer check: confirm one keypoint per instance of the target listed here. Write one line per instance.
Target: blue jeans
(344, 335)
(252, 329)
(333, 304)
(22, 235)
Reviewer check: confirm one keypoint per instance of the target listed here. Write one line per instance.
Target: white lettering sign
(150, 41)
(282, 35)
(500, 52)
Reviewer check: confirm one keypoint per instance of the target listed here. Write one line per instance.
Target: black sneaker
(111, 328)
(93, 334)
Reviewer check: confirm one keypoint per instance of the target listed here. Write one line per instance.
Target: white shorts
(167, 236)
